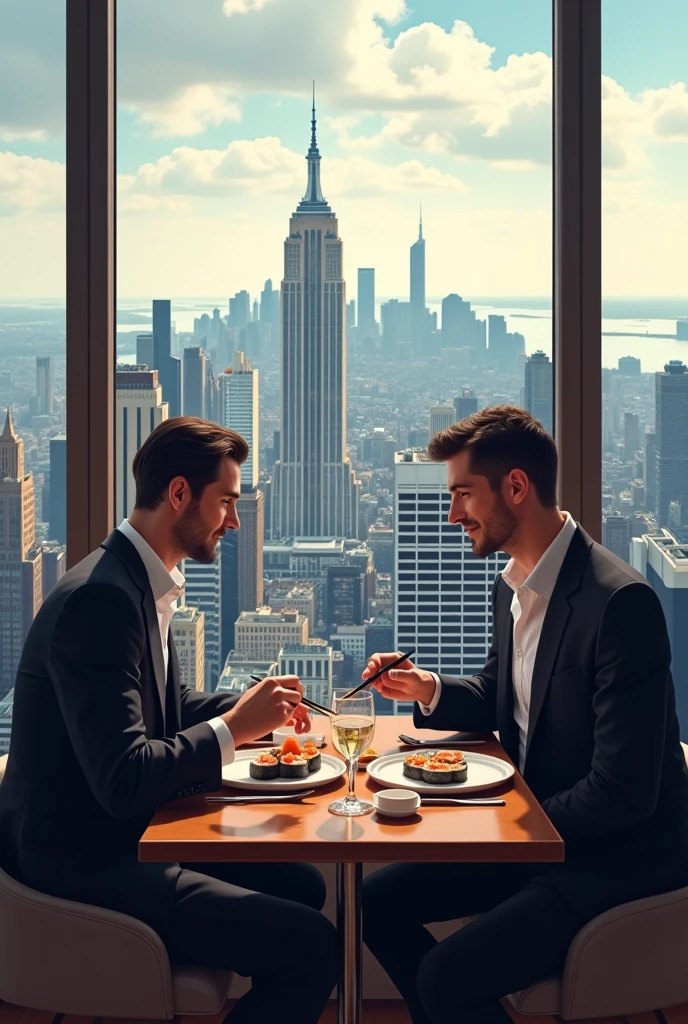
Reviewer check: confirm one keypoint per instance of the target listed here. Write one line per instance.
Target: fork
(413, 741)
(262, 798)
(450, 801)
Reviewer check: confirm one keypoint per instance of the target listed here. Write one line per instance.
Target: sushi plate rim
(282, 785)
(504, 769)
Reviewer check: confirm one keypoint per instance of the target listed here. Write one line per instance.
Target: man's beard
(495, 530)
(191, 536)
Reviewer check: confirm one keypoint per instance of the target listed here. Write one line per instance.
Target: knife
(261, 798)
(450, 801)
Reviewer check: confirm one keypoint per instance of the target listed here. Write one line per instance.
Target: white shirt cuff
(224, 738)
(428, 709)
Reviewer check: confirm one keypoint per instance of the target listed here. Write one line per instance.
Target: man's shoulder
(94, 574)
(609, 573)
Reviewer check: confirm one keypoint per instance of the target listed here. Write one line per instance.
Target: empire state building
(314, 490)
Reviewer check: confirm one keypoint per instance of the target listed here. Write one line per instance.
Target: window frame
(91, 241)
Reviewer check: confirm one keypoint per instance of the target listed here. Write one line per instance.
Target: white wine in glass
(352, 732)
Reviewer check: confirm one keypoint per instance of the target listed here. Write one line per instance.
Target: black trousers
(260, 920)
(529, 917)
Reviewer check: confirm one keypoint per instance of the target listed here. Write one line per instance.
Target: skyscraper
(167, 365)
(239, 310)
(314, 490)
(139, 408)
(240, 411)
(21, 559)
(442, 591)
(187, 627)
(366, 302)
(145, 350)
(671, 431)
(270, 311)
(629, 366)
(456, 322)
(441, 417)
(57, 512)
(203, 591)
(616, 534)
(538, 389)
(44, 385)
(195, 380)
(631, 435)
(417, 289)
(465, 404)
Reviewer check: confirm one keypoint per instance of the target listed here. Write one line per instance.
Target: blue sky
(213, 123)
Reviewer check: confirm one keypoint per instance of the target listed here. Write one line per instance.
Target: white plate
(484, 771)
(236, 774)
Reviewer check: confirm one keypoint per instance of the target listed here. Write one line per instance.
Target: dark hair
(501, 439)
(183, 446)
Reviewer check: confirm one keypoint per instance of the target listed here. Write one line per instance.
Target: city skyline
(453, 113)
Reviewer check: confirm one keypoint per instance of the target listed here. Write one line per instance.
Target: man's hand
(268, 705)
(405, 682)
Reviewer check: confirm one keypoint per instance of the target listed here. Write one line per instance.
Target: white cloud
(8, 134)
(265, 167)
(189, 112)
(29, 184)
(231, 7)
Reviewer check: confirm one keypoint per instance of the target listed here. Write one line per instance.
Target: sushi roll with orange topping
(293, 766)
(448, 756)
(264, 767)
(312, 757)
(437, 773)
(413, 766)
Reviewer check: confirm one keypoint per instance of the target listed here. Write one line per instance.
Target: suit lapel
(555, 623)
(174, 696)
(508, 733)
(120, 546)
(155, 647)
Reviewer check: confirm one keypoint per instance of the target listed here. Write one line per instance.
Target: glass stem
(351, 765)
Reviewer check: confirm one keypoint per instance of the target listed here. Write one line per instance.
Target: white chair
(78, 959)
(630, 959)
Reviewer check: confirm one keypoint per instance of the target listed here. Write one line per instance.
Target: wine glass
(352, 733)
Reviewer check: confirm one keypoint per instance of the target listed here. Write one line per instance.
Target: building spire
(420, 224)
(314, 143)
(313, 201)
(8, 433)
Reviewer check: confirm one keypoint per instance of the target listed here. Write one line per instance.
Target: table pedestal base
(350, 992)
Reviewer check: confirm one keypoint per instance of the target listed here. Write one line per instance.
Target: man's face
(483, 513)
(203, 523)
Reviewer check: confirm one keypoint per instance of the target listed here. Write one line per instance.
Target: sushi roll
(264, 767)
(293, 766)
(291, 746)
(438, 773)
(413, 766)
(460, 771)
(448, 756)
(312, 758)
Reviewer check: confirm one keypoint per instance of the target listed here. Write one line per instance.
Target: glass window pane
(645, 308)
(370, 271)
(33, 529)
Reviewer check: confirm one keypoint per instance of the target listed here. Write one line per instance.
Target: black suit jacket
(603, 754)
(93, 750)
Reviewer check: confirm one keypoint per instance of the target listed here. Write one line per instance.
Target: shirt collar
(163, 583)
(543, 578)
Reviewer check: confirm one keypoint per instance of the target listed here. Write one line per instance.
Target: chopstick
(304, 700)
(381, 672)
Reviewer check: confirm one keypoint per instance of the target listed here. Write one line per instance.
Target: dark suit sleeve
(199, 707)
(630, 708)
(468, 703)
(96, 646)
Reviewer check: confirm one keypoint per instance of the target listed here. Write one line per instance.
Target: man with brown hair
(103, 733)
(577, 682)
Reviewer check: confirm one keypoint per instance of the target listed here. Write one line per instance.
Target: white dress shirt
(532, 594)
(167, 587)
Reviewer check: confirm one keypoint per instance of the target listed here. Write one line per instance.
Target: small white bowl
(280, 735)
(396, 803)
